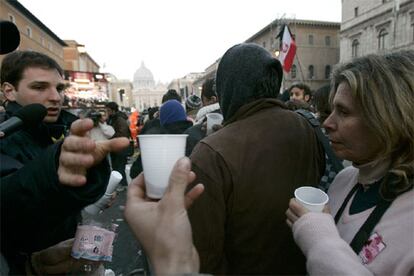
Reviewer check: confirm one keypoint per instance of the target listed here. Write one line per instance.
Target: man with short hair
(250, 169)
(300, 92)
(46, 179)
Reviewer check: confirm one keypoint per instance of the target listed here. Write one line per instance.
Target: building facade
(77, 59)
(186, 86)
(317, 50)
(375, 26)
(146, 93)
(34, 35)
(209, 73)
(121, 92)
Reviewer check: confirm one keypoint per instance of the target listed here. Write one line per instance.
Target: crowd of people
(229, 206)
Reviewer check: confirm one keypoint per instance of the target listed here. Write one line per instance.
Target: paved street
(128, 257)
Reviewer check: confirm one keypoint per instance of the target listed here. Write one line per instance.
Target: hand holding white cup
(159, 153)
(311, 198)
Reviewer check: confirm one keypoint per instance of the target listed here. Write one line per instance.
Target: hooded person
(239, 221)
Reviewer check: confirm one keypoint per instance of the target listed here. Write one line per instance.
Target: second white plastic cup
(159, 153)
(311, 198)
(213, 119)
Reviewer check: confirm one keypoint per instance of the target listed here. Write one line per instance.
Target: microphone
(29, 115)
(10, 37)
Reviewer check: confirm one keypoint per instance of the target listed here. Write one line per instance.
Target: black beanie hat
(244, 70)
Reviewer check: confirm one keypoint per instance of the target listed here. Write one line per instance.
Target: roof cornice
(36, 21)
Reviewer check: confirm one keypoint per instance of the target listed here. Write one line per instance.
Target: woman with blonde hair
(371, 229)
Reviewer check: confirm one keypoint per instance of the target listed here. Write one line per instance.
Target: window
(293, 71)
(382, 39)
(29, 31)
(327, 40)
(49, 46)
(310, 38)
(12, 18)
(355, 48)
(42, 41)
(311, 70)
(264, 44)
(327, 71)
(356, 11)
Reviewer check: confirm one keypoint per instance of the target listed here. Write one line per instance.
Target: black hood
(243, 76)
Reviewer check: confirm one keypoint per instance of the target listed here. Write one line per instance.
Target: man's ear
(9, 91)
(307, 98)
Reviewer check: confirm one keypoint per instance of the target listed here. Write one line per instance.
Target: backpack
(333, 165)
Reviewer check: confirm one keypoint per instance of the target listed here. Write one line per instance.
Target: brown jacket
(250, 169)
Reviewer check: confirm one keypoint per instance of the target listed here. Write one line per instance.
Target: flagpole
(297, 56)
(300, 67)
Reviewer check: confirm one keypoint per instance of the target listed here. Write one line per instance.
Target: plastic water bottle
(92, 247)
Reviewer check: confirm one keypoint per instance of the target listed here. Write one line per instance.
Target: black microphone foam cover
(9, 37)
(31, 114)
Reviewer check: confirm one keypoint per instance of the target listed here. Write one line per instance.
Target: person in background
(209, 100)
(210, 104)
(101, 131)
(322, 108)
(50, 171)
(173, 121)
(171, 94)
(320, 102)
(118, 120)
(284, 96)
(153, 125)
(301, 92)
(133, 123)
(173, 118)
(239, 221)
(370, 231)
(153, 112)
(192, 105)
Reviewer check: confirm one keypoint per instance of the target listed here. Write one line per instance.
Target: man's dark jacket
(36, 210)
(250, 169)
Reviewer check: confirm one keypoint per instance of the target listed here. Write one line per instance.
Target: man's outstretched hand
(79, 152)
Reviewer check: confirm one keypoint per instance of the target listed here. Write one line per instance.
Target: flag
(287, 49)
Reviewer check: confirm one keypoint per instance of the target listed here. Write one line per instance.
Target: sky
(172, 37)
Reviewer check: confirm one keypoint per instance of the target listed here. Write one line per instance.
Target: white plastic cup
(213, 119)
(311, 198)
(159, 153)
